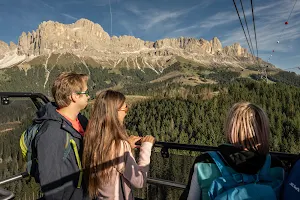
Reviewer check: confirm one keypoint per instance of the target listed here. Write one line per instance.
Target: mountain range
(85, 42)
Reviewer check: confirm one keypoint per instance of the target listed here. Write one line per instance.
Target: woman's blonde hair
(247, 127)
(102, 140)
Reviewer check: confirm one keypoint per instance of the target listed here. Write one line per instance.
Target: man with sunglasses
(59, 141)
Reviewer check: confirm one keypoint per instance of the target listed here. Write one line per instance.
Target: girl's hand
(148, 138)
(132, 140)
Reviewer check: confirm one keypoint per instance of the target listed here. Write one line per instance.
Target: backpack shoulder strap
(67, 146)
(38, 128)
(295, 161)
(265, 170)
(220, 164)
(234, 178)
(70, 143)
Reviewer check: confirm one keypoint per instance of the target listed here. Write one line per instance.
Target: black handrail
(201, 148)
(172, 184)
(6, 195)
(33, 96)
(25, 94)
(154, 181)
(14, 178)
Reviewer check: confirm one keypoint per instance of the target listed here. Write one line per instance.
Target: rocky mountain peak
(6, 49)
(3, 46)
(216, 44)
(236, 50)
(12, 46)
(85, 38)
(3, 49)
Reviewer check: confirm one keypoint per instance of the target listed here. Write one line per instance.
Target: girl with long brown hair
(110, 168)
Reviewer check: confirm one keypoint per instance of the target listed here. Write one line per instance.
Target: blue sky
(157, 19)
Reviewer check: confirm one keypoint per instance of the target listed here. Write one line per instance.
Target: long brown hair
(102, 140)
(247, 127)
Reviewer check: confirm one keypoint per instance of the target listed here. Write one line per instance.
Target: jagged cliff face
(3, 49)
(87, 40)
(56, 37)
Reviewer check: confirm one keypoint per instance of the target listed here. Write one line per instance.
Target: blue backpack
(292, 183)
(239, 186)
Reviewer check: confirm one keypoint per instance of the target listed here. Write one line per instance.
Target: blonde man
(58, 167)
(247, 130)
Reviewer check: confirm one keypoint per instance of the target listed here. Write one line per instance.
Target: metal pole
(157, 181)
(6, 195)
(14, 178)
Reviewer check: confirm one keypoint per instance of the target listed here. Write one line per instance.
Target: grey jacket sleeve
(50, 150)
(195, 189)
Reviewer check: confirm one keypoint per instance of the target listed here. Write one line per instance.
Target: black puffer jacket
(247, 162)
(58, 172)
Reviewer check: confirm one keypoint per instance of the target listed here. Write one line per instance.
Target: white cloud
(69, 16)
(101, 3)
(47, 5)
(155, 17)
(189, 31)
(127, 26)
(224, 18)
(164, 23)
(158, 17)
(185, 29)
(134, 9)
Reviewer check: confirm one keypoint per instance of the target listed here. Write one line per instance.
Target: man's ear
(73, 97)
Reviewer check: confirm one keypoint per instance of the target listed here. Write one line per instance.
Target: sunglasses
(86, 93)
(124, 109)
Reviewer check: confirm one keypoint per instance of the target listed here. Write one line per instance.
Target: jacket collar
(242, 161)
(67, 126)
(48, 112)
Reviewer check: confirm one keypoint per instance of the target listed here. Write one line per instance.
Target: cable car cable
(282, 32)
(237, 11)
(252, 51)
(253, 19)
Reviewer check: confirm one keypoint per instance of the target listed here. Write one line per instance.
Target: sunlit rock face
(85, 39)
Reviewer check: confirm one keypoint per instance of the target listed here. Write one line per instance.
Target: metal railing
(6, 195)
(172, 184)
(5, 97)
(14, 178)
(165, 146)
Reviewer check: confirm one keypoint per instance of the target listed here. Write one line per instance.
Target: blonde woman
(247, 130)
(110, 168)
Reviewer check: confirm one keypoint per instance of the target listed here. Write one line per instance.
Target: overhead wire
(283, 30)
(253, 19)
(251, 50)
(245, 19)
(263, 71)
(292, 68)
(250, 44)
(110, 18)
(237, 11)
(292, 11)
